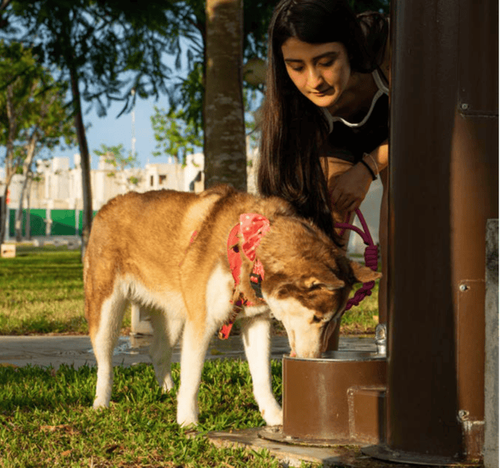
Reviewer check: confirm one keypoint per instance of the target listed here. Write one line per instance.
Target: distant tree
(33, 116)
(103, 49)
(50, 127)
(115, 156)
(174, 137)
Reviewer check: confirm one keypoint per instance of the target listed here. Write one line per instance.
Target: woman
(325, 116)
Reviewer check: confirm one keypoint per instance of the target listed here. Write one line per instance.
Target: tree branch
(5, 4)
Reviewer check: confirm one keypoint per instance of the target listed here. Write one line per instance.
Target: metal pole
(444, 187)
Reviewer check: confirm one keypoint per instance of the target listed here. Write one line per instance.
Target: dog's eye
(317, 319)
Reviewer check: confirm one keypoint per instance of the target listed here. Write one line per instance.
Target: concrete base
(289, 455)
(349, 456)
(382, 452)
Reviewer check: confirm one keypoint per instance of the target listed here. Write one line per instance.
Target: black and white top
(350, 140)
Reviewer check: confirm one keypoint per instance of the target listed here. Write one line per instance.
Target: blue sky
(112, 131)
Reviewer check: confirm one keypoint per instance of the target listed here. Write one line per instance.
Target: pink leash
(371, 257)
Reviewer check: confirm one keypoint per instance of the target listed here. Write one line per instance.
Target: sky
(112, 131)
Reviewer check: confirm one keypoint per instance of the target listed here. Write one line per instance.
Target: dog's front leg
(257, 342)
(194, 347)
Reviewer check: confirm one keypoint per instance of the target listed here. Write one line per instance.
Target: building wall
(60, 187)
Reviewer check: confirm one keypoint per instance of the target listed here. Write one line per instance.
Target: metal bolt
(464, 106)
(463, 287)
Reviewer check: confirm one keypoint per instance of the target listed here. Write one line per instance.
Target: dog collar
(245, 236)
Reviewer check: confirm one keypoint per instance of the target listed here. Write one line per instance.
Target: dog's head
(307, 282)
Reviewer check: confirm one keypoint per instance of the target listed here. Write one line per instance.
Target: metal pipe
(443, 188)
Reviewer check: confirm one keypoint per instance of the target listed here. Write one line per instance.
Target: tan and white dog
(169, 251)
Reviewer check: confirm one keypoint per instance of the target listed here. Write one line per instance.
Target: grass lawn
(46, 419)
(41, 292)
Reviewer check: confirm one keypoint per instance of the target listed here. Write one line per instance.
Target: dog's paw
(100, 404)
(168, 384)
(187, 421)
(187, 413)
(273, 417)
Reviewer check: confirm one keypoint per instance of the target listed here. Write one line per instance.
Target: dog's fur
(140, 251)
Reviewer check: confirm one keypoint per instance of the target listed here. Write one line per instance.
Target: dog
(197, 260)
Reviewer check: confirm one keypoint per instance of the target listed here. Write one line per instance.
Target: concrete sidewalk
(77, 350)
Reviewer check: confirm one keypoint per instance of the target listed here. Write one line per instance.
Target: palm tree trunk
(225, 149)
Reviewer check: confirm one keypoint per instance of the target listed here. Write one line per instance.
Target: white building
(58, 186)
(55, 195)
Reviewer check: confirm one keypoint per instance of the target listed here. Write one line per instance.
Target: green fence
(62, 222)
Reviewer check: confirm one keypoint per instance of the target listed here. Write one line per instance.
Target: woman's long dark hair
(293, 129)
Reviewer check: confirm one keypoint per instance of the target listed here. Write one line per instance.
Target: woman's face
(321, 72)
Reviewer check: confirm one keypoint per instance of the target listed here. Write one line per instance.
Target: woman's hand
(350, 188)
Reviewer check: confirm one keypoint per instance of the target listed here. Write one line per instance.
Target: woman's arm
(378, 159)
(351, 187)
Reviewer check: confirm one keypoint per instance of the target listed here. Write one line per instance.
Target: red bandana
(251, 228)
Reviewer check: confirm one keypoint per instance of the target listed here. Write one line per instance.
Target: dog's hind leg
(166, 332)
(195, 343)
(257, 342)
(104, 340)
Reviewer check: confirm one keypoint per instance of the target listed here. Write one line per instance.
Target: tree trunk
(9, 166)
(28, 206)
(19, 216)
(30, 154)
(3, 215)
(84, 160)
(225, 149)
(3, 210)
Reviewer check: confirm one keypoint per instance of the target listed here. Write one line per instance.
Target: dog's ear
(332, 284)
(363, 274)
